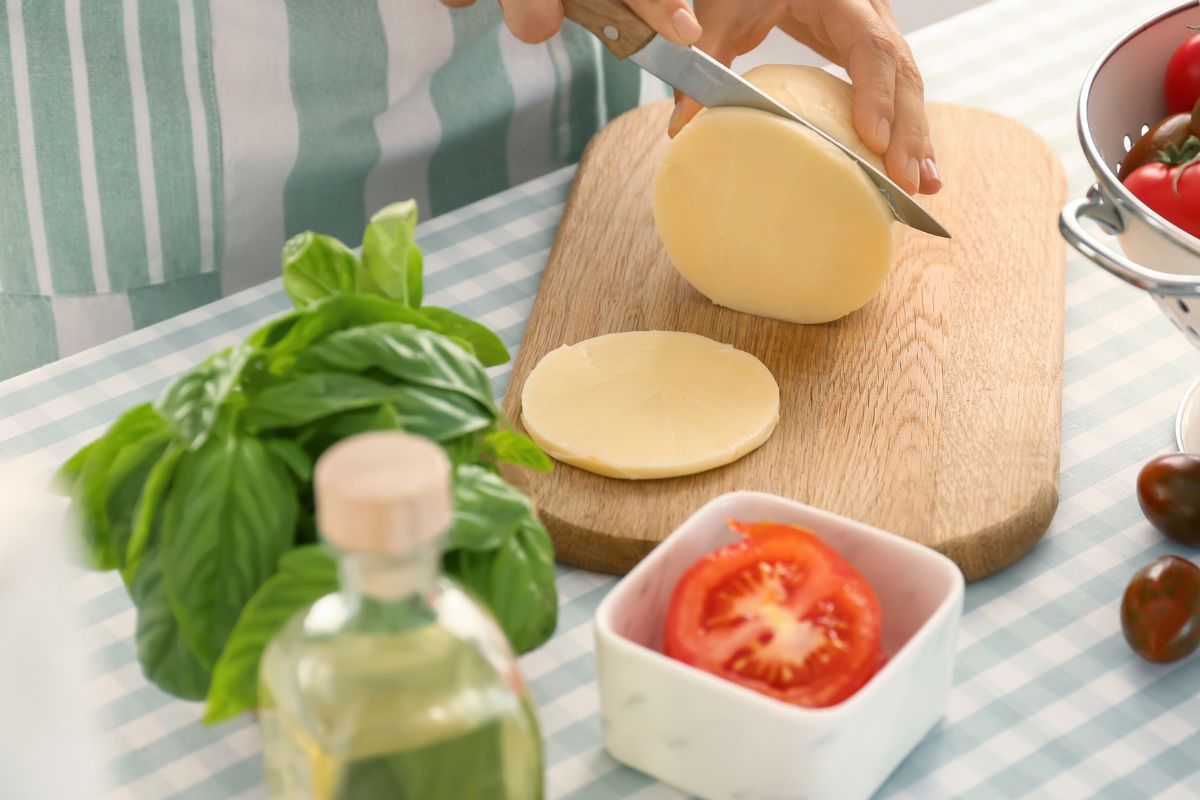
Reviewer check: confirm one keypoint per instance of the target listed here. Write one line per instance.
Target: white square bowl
(718, 740)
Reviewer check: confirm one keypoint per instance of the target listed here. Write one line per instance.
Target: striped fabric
(157, 153)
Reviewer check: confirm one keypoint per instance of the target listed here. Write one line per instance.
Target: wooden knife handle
(612, 22)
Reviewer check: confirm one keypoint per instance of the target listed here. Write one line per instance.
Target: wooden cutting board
(934, 412)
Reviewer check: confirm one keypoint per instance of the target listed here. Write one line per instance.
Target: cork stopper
(384, 492)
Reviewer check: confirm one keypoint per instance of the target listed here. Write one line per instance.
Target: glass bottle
(399, 685)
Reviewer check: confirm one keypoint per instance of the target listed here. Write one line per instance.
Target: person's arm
(860, 35)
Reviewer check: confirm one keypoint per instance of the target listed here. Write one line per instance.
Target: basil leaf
(164, 654)
(305, 575)
(515, 581)
(317, 266)
(435, 413)
(194, 402)
(486, 345)
(230, 515)
(158, 481)
(487, 510)
(390, 255)
(97, 479)
(406, 352)
(516, 448)
(340, 313)
(130, 471)
(324, 433)
(292, 454)
(66, 480)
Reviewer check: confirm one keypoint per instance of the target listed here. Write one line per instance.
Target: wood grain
(596, 15)
(934, 412)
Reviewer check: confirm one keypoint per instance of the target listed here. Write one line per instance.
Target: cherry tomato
(781, 613)
(1168, 490)
(1181, 85)
(1160, 613)
(1178, 202)
(1170, 131)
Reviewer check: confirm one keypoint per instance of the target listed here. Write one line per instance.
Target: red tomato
(781, 613)
(1160, 613)
(1181, 85)
(1154, 184)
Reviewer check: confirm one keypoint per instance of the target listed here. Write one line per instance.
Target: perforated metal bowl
(1119, 101)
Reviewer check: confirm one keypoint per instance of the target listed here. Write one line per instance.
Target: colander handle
(1071, 225)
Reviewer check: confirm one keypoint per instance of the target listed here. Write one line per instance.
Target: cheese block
(763, 216)
(649, 404)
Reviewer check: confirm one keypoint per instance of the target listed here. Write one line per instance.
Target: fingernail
(883, 132)
(931, 172)
(676, 120)
(686, 25)
(912, 174)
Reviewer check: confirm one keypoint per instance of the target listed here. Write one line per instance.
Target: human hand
(860, 35)
(536, 21)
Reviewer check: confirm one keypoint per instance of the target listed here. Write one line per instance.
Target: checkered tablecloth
(1048, 699)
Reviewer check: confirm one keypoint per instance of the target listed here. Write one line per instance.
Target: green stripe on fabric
(208, 92)
(17, 272)
(338, 60)
(151, 304)
(27, 332)
(474, 103)
(584, 109)
(57, 146)
(622, 85)
(170, 137)
(116, 155)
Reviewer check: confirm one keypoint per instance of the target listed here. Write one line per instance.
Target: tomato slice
(779, 612)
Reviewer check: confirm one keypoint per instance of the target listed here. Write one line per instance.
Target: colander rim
(1110, 183)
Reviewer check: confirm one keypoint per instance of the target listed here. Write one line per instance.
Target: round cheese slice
(649, 404)
(763, 216)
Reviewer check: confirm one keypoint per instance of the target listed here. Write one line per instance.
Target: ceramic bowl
(716, 739)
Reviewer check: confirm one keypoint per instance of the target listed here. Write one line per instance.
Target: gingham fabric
(1048, 700)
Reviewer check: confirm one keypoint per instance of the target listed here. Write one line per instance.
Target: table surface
(1048, 700)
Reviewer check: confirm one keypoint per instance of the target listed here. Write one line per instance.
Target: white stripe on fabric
(420, 40)
(530, 135)
(29, 164)
(141, 140)
(250, 71)
(191, 83)
(87, 151)
(562, 71)
(83, 320)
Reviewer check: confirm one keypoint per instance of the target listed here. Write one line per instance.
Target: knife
(711, 83)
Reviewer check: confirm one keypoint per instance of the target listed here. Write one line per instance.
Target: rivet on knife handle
(612, 22)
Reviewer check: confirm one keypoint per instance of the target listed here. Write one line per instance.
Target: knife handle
(612, 22)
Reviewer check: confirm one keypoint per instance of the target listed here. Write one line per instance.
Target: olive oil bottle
(399, 686)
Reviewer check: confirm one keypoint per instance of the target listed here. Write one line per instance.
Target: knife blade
(712, 84)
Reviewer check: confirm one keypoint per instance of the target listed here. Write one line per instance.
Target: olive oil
(399, 685)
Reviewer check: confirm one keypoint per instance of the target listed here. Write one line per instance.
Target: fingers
(889, 95)
(910, 153)
(729, 29)
(531, 21)
(674, 20)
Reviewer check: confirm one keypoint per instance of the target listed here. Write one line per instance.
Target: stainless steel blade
(711, 83)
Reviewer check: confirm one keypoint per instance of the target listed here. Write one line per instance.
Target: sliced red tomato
(779, 612)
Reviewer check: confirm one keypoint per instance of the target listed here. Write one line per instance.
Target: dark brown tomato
(1168, 490)
(1169, 131)
(1160, 613)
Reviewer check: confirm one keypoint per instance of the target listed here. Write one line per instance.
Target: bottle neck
(391, 578)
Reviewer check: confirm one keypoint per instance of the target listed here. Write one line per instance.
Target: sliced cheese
(649, 404)
(763, 216)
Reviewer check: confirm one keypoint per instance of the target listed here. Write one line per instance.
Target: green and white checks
(1048, 702)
